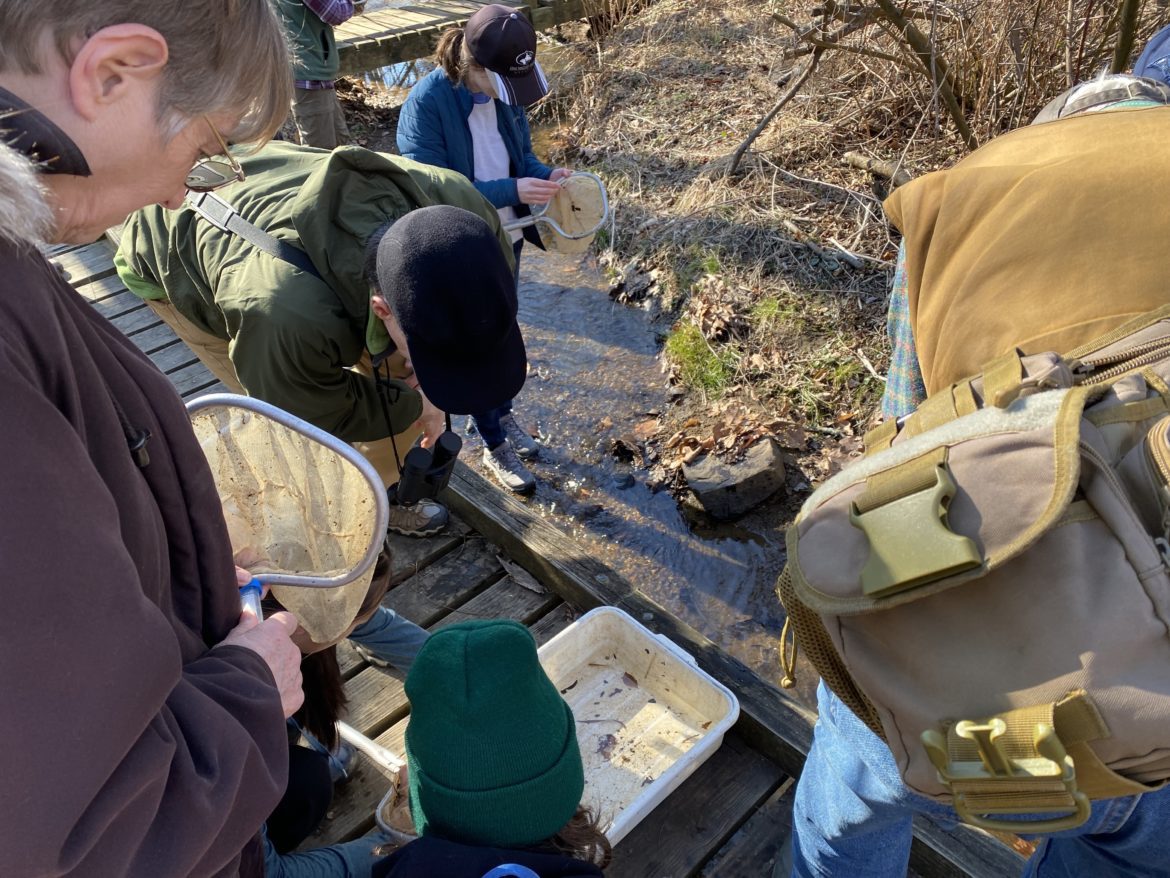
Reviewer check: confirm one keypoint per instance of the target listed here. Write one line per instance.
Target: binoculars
(426, 471)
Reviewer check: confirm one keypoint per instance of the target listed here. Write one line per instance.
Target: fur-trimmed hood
(25, 216)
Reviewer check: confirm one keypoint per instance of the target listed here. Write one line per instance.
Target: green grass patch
(700, 366)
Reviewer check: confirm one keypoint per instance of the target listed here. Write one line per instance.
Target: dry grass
(782, 270)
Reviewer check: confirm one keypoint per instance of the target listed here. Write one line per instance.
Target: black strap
(225, 218)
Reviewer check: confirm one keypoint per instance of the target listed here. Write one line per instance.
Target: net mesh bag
(293, 507)
(577, 208)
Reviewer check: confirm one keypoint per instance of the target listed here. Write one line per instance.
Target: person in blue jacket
(469, 115)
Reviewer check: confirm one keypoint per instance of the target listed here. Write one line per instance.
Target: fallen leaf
(520, 576)
(645, 429)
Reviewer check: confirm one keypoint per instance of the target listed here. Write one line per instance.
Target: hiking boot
(422, 519)
(503, 463)
(524, 445)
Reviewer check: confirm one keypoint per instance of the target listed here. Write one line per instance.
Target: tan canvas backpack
(989, 587)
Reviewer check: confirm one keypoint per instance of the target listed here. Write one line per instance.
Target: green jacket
(291, 335)
(312, 42)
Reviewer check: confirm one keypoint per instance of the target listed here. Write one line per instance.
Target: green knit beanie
(491, 746)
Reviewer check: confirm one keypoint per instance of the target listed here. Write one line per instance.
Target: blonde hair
(225, 56)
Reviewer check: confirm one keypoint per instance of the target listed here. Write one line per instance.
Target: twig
(1125, 32)
(890, 170)
(857, 260)
(793, 88)
(936, 68)
(869, 366)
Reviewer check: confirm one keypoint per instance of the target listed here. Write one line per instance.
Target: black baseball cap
(502, 40)
(444, 275)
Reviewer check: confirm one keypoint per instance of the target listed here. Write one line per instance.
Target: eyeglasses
(212, 172)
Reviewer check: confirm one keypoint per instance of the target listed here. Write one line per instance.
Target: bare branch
(793, 88)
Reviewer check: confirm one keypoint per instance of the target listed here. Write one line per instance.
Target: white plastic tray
(647, 716)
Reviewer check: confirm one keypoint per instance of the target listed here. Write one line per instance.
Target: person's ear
(114, 63)
(379, 306)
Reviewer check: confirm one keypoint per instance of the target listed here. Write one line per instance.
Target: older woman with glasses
(144, 716)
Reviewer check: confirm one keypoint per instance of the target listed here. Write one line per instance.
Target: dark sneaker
(523, 444)
(422, 519)
(503, 463)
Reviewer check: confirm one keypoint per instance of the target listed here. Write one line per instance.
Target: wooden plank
(87, 263)
(214, 388)
(192, 379)
(754, 849)
(553, 623)
(154, 338)
(391, 36)
(57, 249)
(681, 834)
(137, 320)
(775, 725)
(118, 306)
(101, 289)
(412, 554)
(173, 356)
(450, 582)
(505, 600)
(961, 852)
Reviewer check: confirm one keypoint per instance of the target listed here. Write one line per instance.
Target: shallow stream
(594, 373)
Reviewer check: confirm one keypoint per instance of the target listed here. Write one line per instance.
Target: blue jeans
(852, 815)
(487, 424)
(390, 637)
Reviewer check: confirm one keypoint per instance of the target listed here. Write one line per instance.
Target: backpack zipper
(1116, 365)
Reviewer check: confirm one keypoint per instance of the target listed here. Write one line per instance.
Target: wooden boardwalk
(390, 36)
(726, 821)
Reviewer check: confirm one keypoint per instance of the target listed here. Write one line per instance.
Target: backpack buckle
(998, 781)
(910, 542)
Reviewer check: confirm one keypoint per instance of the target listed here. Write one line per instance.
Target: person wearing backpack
(1037, 241)
(494, 769)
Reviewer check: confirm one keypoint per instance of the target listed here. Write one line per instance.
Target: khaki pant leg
(315, 111)
(211, 351)
(380, 452)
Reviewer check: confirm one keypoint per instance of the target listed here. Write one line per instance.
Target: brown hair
(583, 839)
(224, 55)
(325, 697)
(451, 54)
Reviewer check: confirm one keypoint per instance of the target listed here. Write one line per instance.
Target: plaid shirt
(333, 13)
(905, 389)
